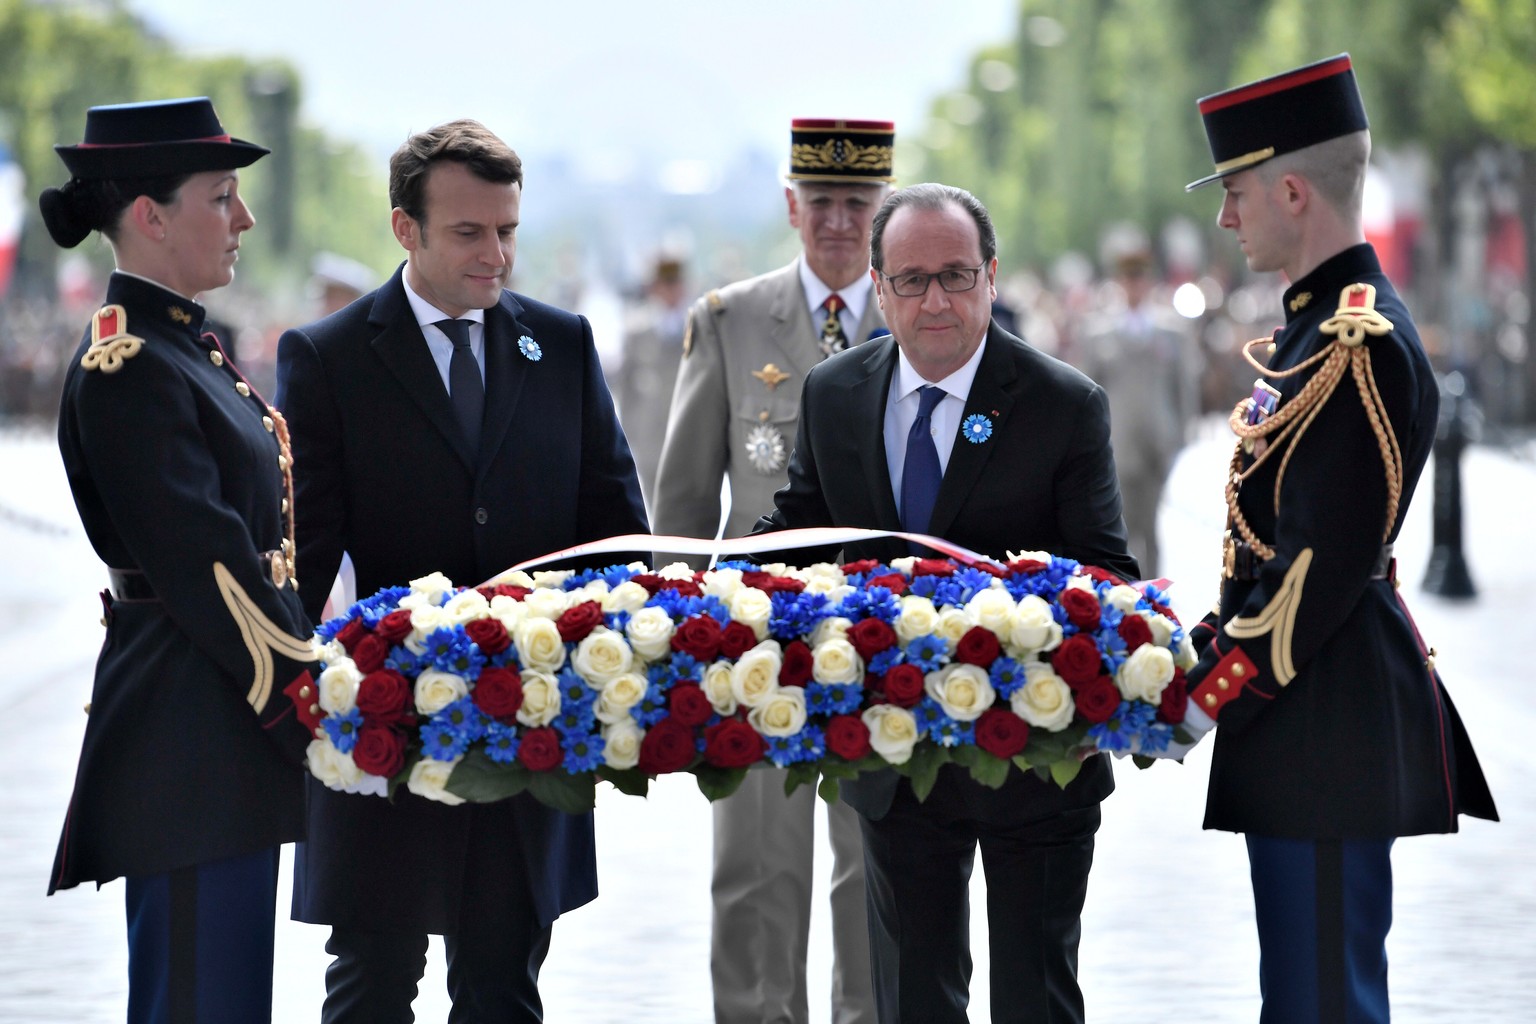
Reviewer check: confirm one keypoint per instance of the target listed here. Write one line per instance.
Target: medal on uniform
(765, 448)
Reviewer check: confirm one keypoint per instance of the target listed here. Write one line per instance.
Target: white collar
(957, 384)
(428, 314)
(855, 296)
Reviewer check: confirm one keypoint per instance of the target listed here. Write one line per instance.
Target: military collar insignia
(771, 375)
(530, 348)
(765, 448)
(976, 428)
(178, 314)
(111, 344)
(1356, 316)
(1300, 302)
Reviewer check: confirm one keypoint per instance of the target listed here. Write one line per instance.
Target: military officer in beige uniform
(747, 349)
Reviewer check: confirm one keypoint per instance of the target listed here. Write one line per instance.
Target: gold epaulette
(111, 344)
(1356, 316)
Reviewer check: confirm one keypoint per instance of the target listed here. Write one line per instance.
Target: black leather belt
(1242, 563)
(130, 585)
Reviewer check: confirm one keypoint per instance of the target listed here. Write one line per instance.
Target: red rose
(1082, 607)
(351, 633)
(576, 622)
(771, 584)
(732, 743)
(848, 737)
(1133, 629)
(933, 567)
(508, 590)
(737, 639)
(489, 635)
(688, 705)
(992, 569)
(796, 670)
(1000, 732)
(871, 636)
(684, 588)
(540, 749)
(649, 580)
(1077, 661)
(1026, 566)
(395, 626)
(895, 582)
(1097, 700)
(699, 637)
(861, 566)
(370, 652)
(383, 696)
(498, 692)
(1175, 699)
(668, 747)
(380, 750)
(904, 685)
(978, 646)
(1099, 575)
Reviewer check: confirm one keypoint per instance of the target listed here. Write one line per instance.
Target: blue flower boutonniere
(976, 428)
(878, 332)
(530, 348)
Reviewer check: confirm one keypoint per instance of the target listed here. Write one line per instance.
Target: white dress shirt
(427, 315)
(901, 405)
(855, 297)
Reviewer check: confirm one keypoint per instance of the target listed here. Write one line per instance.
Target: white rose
(1161, 626)
(425, 621)
(782, 714)
(602, 655)
(904, 565)
(917, 617)
(1083, 583)
(820, 577)
(466, 605)
(1186, 659)
(650, 633)
(429, 778)
(508, 612)
(952, 625)
(1123, 597)
(515, 578)
(892, 732)
(551, 579)
(1030, 556)
(547, 604)
(722, 583)
(338, 686)
(621, 743)
(774, 568)
(752, 607)
(435, 690)
(676, 571)
(717, 687)
(628, 596)
(1145, 674)
(541, 698)
(618, 695)
(538, 644)
(433, 587)
(755, 675)
(1034, 628)
(963, 691)
(829, 629)
(836, 662)
(1045, 700)
(328, 652)
(992, 609)
(331, 766)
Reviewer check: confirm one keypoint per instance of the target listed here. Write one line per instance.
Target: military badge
(765, 449)
(530, 348)
(771, 375)
(111, 344)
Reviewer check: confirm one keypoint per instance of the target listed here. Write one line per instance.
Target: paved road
(1167, 932)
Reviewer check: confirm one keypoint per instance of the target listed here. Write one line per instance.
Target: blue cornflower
(928, 714)
(949, 733)
(683, 667)
(328, 629)
(451, 650)
(615, 574)
(928, 652)
(464, 716)
(795, 615)
(651, 708)
(1129, 723)
(342, 729)
(617, 621)
(374, 607)
(1112, 646)
(882, 663)
(501, 743)
(442, 742)
(574, 689)
(976, 428)
(947, 590)
(406, 661)
(871, 603)
(575, 719)
(809, 744)
(530, 348)
(711, 606)
(1006, 675)
(833, 698)
(671, 602)
(973, 580)
(1156, 737)
(583, 752)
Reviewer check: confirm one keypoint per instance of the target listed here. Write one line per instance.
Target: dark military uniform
(191, 751)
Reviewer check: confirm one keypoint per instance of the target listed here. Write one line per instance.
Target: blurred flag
(12, 207)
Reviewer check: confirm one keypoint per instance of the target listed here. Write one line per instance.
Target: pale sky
(604, 80)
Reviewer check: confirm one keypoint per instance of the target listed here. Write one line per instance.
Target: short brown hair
(463, 141)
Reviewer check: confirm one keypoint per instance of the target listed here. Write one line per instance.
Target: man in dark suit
(422, 444)
(881, 445)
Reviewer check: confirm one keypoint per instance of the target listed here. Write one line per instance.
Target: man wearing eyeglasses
(957, 429)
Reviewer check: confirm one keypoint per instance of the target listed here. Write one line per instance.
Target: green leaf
(829, 790)
(923, 769)
(1142, 761)
(629, 781)
(480, 780)
(965, 755)
(798, 775)
(718, 783)
(1063, 772)
(989, 769)
(573, 794)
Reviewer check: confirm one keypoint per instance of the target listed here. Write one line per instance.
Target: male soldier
(1336, 734)
(747, 350)
(653, 347)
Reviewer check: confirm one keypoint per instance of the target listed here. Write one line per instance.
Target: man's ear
(406, 228)
(794, 207)
(1294, 192)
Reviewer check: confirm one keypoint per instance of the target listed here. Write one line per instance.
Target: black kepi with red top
(1253, 123)
(835, 150)
(146, 140)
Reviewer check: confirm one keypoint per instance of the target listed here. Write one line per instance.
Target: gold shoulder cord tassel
(1352, 322)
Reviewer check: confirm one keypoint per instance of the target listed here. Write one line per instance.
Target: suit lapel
(401, 347)
(505, 370)
(992, 396)
(866, 402)
(792, 330)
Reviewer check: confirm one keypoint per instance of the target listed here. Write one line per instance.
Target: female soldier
(189, 775)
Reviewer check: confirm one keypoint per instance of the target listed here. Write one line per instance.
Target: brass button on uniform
(282, 462)
(216, 357)
(482, 516)
(243, 388)
(266, 421)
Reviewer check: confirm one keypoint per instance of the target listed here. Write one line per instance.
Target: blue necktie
(465, 388)
(920, 473)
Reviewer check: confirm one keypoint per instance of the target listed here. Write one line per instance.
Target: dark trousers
(918, 861)
(200, 942)
(1323, 908)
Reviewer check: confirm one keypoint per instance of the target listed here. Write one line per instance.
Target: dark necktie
(833, 340)
(920, 473)
(465, 388)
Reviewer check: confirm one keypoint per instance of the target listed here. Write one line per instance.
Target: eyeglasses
(911, 286)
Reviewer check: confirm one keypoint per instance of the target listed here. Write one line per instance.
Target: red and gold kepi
(856, 152)
(1264, 119)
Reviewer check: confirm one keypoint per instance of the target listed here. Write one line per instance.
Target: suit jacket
(191, 751)
(383, 472)
(1338, 729)
(1044, 481)
(720, 407)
